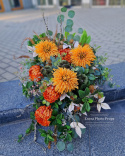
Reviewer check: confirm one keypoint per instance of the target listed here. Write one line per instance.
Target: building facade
(11, 5)
(82, 3)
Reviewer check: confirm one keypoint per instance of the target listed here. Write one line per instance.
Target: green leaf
(83, 130)
(32, 115)
(81, 93)
(84, 108)
(42, 35)
(50, 138)
(60, 146)
(87, 91)
(60, 18)
(64, 9)
(88, 39)
(76, 117)
(66, 34)
(20, 136)
(80, 30)
(83, 38)
(43, 134)
(71, 13)
(70, 147)
(59, 121)
(28, 131)
(50, 32)
(68, 28)
(90, 101)
(46, 140)
(74, 134)
(87, 107)
(69, 22)
(91, 77)
(68, 138)
(70, 37)
(86, 71)
(77, 38)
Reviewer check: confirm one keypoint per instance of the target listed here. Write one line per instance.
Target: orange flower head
(43, 114)
(34, 73)
(65, 54)
(82, 56)
(45, 49)
(64, 80)
(50, 94)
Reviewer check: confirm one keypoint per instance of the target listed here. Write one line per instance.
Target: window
(14, 3)
(41, 2)
(50, 2)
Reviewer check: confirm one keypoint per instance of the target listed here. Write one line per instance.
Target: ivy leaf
(71, 13)
(64, 9)
(60, 146)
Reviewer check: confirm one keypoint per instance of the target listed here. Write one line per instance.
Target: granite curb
(13, 103)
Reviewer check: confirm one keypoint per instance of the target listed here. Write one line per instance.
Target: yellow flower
(82, 56)
(64, 80)
(45, 49)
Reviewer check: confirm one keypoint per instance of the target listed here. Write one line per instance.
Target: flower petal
(30, 48)
(101, 100)
(71, 107)
(98, 107)
(81, 125)
(96, 96)
(78, 131)
(35, 54)
(105, 106)
(63, 96)
(73, 124)
(66, 46)
(85, 113)
(76, 44)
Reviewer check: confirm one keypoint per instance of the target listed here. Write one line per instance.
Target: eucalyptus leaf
(69, 22)
(70, 147)
(60, 146)
(77, 38)
(68, 28)
(70, 37)
(64, 9)
(50, 32)
(60, 18)
(71, 13)
(80, 30)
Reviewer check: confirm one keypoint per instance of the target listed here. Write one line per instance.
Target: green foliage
(70, 147)
(80, 30)
(42, 35)
(69, 22)
(31, 128)
(32, 115)
(91, 77)
(77, 38)
(50, 32)
(60, 146)
(60, 18)
(68, 28)
(70, 36)
(83, 38)
(71, 13)
(64, 9)
(88, 39)
(20, 137)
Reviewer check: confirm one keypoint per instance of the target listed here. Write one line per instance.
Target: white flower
(66, 46)
(100, 104)
(32, 49)
(63, 96)
(71, 106)
(76, 43)
(77, 126)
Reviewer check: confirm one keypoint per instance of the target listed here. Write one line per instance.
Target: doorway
(1, 6)
(16, 4)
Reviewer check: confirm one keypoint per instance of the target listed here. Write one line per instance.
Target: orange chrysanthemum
(43, 114)
(64, 80)
(34, 73)
(82, 56)
(45, 49)
(65, 54)
(50, 95)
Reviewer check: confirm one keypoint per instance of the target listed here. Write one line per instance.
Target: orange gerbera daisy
(45, 49)
(34, 73)
(65, 54)
(64, 80)
(82, 56)
(50, 95)
(43, 114)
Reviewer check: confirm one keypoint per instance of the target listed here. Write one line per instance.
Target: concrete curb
(13, 103)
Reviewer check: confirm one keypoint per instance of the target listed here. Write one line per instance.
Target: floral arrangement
(63, 76)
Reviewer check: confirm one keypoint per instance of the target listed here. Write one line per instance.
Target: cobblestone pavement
(106, 27)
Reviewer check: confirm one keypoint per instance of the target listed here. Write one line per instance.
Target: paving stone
(2, 71)
(11, 69)
(3, 65)
(8, 76)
